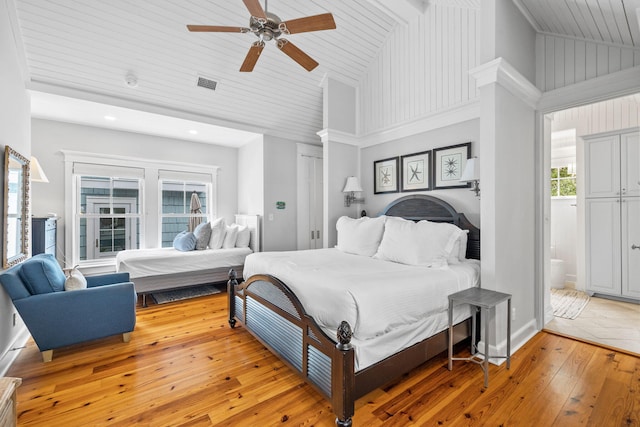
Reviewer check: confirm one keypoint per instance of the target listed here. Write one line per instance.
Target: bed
(161, 269)
(345, 359)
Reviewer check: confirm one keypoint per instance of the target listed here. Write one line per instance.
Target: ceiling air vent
(207, 83)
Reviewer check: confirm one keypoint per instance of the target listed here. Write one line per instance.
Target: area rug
(185, 293)
(568, 303)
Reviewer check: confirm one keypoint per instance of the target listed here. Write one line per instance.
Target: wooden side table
(482, 300)
(8, 413)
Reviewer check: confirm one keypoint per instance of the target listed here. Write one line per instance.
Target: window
(177, 213)
(563, 181)
(115, 203)
(108, 216)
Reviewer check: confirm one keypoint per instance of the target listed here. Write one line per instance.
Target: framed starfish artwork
(416, 171)
(448, 165)
(385, 176)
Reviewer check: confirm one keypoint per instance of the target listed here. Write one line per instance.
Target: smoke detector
(131, 80)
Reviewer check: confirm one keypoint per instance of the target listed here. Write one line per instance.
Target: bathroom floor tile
(608, 322)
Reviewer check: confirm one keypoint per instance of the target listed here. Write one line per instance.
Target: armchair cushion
(42, 274)
(75, 280)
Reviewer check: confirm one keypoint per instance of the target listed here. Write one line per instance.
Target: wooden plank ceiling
(84, 49)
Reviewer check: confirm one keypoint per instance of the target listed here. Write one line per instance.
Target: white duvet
(377, 298)
(153, 262)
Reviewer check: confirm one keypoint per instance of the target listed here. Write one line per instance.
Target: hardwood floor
(185, 367)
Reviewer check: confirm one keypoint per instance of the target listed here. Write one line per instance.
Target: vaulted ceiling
(77, 56)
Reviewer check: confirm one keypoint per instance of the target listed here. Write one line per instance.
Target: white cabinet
(631, 246)
(612, 216)
(603, 244)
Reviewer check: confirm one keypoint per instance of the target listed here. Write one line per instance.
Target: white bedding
(389, 305)
(153, 262)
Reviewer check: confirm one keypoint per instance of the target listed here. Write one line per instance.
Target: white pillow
(230, 236)
(359, 236)
(459, 251)
(203, 235)
(244, 237)
(75, 280)
(422, 243)
(218, 228)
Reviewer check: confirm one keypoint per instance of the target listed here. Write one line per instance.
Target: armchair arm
(58, 319)
(107, 279)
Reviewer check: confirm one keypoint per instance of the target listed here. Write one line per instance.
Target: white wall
(422, 68)
(280, 185)
(563, 61)
(14, 132)
(49, 137)
(462, 199)
(250, 178)
(514, 39)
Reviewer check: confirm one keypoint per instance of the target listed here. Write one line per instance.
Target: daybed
(159, 269)
(291, 312)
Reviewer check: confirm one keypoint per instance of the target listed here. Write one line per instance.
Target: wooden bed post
(343, 384)
(231, 292)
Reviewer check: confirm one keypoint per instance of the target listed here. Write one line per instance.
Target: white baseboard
(13, 351)
(518, 339)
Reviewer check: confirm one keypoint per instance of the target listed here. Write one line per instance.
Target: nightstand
(482, 300)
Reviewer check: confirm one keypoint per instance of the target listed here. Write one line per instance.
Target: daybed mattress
(153, 262)
(389, 306)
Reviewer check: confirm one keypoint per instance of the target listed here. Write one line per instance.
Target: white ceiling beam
(401, 11)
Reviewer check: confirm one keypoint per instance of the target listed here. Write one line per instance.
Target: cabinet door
(630, 164)
(603, 246)
(631, 247)
(602, 156)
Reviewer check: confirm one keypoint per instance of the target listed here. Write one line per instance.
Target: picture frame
(448, 166)
(385, 176)
(416, 171)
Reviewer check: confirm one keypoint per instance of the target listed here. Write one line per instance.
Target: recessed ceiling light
(110, 118)
(193, 132)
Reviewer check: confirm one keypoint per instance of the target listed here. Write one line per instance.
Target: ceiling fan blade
(255, 9)
(216, 29)
(310, 23)
(252, 57)
(307, 62)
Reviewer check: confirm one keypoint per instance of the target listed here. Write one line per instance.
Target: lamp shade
(36, 172)
(352, 185)
(471, 170)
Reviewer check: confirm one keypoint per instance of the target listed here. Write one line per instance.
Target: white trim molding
(501, 72)
(447, 117)
(609, 86)
(333, 135)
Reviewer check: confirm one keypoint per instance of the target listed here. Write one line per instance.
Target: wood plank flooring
(185, 367)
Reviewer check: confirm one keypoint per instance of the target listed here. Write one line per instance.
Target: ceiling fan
(268, 26)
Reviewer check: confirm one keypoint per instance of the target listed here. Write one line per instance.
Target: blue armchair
(57, 318)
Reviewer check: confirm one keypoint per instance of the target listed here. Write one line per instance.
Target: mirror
(16, 208)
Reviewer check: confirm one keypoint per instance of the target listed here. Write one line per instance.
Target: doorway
(608, 322)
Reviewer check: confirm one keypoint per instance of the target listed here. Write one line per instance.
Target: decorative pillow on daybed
(185, 241)
(359, 236)
(218, 229)
(230, 236)
(423, 243)
(244, 237)
(203, 234)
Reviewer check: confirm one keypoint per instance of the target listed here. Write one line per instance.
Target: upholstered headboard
(417, 207)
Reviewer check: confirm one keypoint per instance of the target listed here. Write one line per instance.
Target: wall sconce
(351, 187)
(472, 174)
(36, 172)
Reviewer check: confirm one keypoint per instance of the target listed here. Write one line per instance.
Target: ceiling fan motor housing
(268, 30)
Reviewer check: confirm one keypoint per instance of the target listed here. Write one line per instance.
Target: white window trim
(149, 188)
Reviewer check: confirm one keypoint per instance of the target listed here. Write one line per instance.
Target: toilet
(557, 273)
